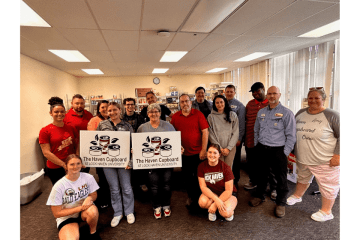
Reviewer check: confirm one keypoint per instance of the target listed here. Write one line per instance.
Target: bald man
(274, 139)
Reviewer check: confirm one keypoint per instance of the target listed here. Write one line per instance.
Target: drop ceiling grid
(117, 15)
(64, 13)
(295, 13)
(249, 15)
(165, 14)
(213, 42)
(121, 40)
(149, 40)
(185, 41)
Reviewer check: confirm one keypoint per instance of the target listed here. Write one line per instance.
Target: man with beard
(78, 117)
(194, 139)
(151, 98)
(252, 108)
(274, 139)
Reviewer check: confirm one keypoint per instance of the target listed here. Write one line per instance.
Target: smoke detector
(163, 33)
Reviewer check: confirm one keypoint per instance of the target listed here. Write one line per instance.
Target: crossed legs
(205, 202)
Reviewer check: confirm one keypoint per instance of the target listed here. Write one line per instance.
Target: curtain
(336, 76)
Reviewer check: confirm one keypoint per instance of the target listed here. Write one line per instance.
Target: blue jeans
(160, 180)
(117, 177)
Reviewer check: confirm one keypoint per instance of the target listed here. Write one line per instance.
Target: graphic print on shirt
(65, 143)
(213, 177)
(102, 146)
(71, 195)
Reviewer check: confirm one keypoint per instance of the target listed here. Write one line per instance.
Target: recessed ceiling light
(160, 70)
(30, 18)
(324, 30)
(93, 71)
(216, 70)
(252, 56)
(172, 56)
(208, 14)
(70, 55)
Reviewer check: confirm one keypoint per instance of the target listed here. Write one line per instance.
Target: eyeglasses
(316, 88)
(154, 112)
(130, 105)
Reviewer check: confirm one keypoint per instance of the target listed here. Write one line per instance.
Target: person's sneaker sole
(321, 217)
(229, 219)
(212, 217)
(292, 200)
(167, 213)
(248, 187)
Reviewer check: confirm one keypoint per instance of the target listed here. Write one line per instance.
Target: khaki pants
(229, 159)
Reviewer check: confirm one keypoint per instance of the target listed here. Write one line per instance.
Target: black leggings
(55, 174)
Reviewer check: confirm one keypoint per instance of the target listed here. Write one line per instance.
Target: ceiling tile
(193, 57)
(240, 43)
(165, 14)
(149, 40)
(121, 40)
(322, 18)
(185, 41)
(64, 13)
(249, 15)
(27, 45)
(48, 38)
(150, 56)
(125, 56)
(298, 11)
(117, 15)
(85, 39)
(213, 41)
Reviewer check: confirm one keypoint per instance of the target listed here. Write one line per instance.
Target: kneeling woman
(217, 186)
(71, 195)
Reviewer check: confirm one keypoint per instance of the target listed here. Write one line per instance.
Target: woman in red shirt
(217, 185)
(57, 141)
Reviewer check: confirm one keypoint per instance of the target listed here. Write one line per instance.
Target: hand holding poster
(156, 150)
(105, 148)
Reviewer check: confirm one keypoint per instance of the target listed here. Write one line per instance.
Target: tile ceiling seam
(141, 20)
(100, 30)
(306, 18)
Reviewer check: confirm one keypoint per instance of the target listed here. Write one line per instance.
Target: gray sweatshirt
(221, 132)
(240, 111)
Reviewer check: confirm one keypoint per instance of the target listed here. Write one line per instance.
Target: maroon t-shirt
(62, 141)
(190, 127)
(216, 177)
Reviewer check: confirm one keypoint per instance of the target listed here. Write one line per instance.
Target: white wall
(38, 83)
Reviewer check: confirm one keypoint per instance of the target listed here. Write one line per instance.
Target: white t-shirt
(70, 194)
(317, 136)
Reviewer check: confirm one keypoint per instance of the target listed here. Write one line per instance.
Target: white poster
(105, 148)
(291, 173)
(156, 150)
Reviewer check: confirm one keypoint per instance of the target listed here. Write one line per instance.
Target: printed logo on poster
(156, 150)
(105, 148)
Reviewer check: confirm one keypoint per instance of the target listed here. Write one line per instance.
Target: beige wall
(38, 83)
(109, 86)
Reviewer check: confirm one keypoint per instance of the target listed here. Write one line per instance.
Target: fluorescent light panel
(70, 55)
(216, 70)
(252, 56)
(172, 56)
(324, 30)
(208, 14)
(30, 18)
(93, 71)
(160, 70)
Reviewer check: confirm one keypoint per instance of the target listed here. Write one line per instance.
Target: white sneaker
(157, 212)
(292, 200)
(130, 218)
(212, 217)
(229, 219)
(115, 221)
(320, 216)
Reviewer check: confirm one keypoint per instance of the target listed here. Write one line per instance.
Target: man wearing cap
(274, 139)
(252, 108)
(240, 111)
(201, 103)
(194, 139)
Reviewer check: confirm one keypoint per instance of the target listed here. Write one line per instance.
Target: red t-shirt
(252, 109)
(62, 141)
(216, 176)
(76, 121)
(190, 127)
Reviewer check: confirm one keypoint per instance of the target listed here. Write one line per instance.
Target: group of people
(212, 134)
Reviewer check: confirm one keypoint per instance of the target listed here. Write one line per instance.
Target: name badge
(275, 124)
(233, 106)
(263, 114)
(278, 114)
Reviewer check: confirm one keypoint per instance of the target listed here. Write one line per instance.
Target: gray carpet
(37, 221)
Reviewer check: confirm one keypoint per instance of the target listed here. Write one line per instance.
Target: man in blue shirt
(274, 139)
